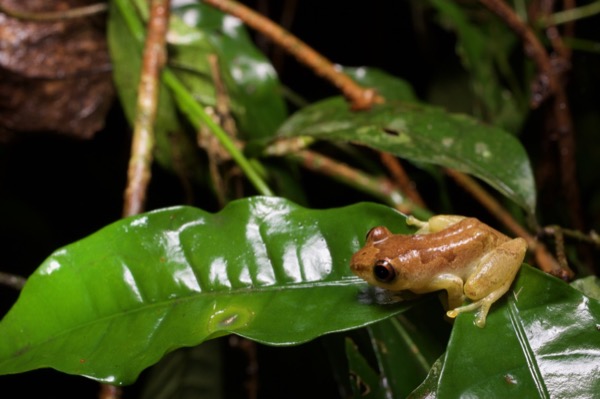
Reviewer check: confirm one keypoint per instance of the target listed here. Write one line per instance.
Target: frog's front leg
(492, 278)
(434, 224)
(450, 283)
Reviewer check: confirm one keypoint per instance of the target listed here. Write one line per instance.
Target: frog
(472, 262)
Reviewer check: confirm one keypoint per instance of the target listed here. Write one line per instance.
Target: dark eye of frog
(384, 271)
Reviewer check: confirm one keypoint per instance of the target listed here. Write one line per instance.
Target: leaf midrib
(194, 296)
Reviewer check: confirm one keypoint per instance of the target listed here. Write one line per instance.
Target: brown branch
(401, 178)
(550, 84)
(138, 174)
(553, 34)
(381, 188)
(52, 16)
(12, 280)
(546, 82)
(543, 258)
(360, 98)
(591, 238)
(110, 392)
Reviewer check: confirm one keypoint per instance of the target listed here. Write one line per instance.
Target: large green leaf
(115, 302)
(425, 134)
(542, 340)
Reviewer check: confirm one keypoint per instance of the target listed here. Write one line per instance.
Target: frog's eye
(378, 233)
(384, 271)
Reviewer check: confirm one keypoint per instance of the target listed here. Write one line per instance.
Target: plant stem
(140, 161)
(361, 98)
(198, 116)
(378, 187)
(192, 109)
(546, 82)
(401, 178)
(573, 14)
(51, 16)
(11, 280)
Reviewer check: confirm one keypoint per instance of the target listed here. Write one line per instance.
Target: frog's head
(380, 261)
(367, 264)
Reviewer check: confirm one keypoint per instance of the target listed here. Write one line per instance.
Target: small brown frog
(466, 258)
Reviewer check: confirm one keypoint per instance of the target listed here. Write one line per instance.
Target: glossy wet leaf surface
(425, 134)
(114, 303)
(542, 340)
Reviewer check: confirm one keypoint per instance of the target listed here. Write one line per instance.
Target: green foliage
(264, 268)
(424, 134)
(276, 273)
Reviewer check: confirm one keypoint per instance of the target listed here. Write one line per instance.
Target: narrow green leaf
(425, 134)
(365, 381)
(429, 386)
(402, 364)
(114, 303)
(484, 48)
(541, 341)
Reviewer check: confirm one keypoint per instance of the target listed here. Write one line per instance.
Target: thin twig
(198, 116)
(401, 178)
(591, 238)
(378, 187)
(560, 126)
(553, 35)
(361, 98)
(249, 348)
(570, 14)
(110, 392)
(544, 260)
(194, 112)
(12, 280)
(138, 174)
(546, 82)
(52, 16)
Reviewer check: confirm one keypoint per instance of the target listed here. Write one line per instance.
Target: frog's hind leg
(492, 278)
(483, 305)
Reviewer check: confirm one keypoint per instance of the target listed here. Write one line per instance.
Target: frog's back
(451, 250)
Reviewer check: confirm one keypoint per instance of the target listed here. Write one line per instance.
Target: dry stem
(379, 187)
(52, 16)
(138, 174)
(360, 98)
(12, 280)
(546, 82)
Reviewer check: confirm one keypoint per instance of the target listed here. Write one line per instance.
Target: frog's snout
(361, 263)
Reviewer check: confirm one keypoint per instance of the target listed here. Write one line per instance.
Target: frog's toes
(482, 306)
